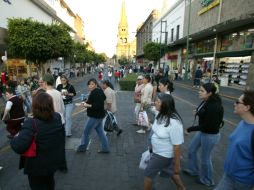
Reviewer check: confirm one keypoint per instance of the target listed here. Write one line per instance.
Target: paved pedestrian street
(119, 169)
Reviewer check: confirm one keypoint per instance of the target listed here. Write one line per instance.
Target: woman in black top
(50, 141)
(210, 114)
(95, 113)
(68, 91)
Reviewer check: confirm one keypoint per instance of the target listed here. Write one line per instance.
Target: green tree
(154, 51)
(38, 42)
(123, 61)
(80, 53)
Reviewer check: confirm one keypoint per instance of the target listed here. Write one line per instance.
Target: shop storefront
(18, 68)
(235, 56)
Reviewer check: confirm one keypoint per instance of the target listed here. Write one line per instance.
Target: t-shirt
(58, 102)
(239, 162)
(163, 138)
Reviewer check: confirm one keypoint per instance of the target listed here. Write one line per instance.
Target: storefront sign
(208, 4)
(171, 57)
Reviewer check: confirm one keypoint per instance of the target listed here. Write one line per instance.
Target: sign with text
(208, 5)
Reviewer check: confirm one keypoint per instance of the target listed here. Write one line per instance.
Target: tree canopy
(38, 42)
(154, 51)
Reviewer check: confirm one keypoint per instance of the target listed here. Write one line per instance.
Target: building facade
(124, 48)
(144, 35)
(168, 29)
(221, 39)
(45, 11)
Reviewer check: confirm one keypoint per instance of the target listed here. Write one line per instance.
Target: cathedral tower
(122, 47)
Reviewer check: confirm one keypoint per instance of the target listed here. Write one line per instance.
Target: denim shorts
(158, 164)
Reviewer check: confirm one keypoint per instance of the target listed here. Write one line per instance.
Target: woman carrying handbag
(47, 129)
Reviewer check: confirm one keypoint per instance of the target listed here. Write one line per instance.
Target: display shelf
(237, 72)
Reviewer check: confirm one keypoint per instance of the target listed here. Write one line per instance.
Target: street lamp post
(165, 40)
(187, 42)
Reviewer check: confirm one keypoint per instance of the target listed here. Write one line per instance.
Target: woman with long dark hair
(46, 126)
(166, 140)
(95, 113)
(210, 113)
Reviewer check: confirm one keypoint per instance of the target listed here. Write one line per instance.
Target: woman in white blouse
(166, 140)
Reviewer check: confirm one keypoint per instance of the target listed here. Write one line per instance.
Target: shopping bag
(109, 121)
(31, 151)
(146, 156)
(143, 119)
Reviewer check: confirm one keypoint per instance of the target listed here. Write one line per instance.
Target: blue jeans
(227, 183)
(206, 142)
(94, 123)
(67, 116)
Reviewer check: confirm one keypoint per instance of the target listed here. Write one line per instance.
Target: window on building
(177, 32)
(172, 34)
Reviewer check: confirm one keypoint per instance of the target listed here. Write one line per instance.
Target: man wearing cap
(137, 96)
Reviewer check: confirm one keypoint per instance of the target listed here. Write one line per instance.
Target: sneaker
(141, 131)
(103, 152)
(189, 173)
(119, 132)
(81, 149)
(201, 183)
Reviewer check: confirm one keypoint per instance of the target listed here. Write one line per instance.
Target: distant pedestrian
(68, 92)
(14, 114)
(50, 150)
(166, 140)
(210, 113)
(100, 75)
(110, 102)
(146, 100)
(137, 97)
(239, 162)
(24, 91)
(110, 74)
(197, 78)
(95, 113)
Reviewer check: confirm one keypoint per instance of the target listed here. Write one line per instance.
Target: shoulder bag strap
(35, 127)
(252, 143)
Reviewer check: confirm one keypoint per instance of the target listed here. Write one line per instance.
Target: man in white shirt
(55, 94)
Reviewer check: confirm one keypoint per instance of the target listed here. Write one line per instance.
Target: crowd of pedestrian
(166, 135)
(42, 110)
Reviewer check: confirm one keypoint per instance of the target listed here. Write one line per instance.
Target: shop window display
(235, 68)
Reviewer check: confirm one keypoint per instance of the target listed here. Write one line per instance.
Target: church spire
(123, 19)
